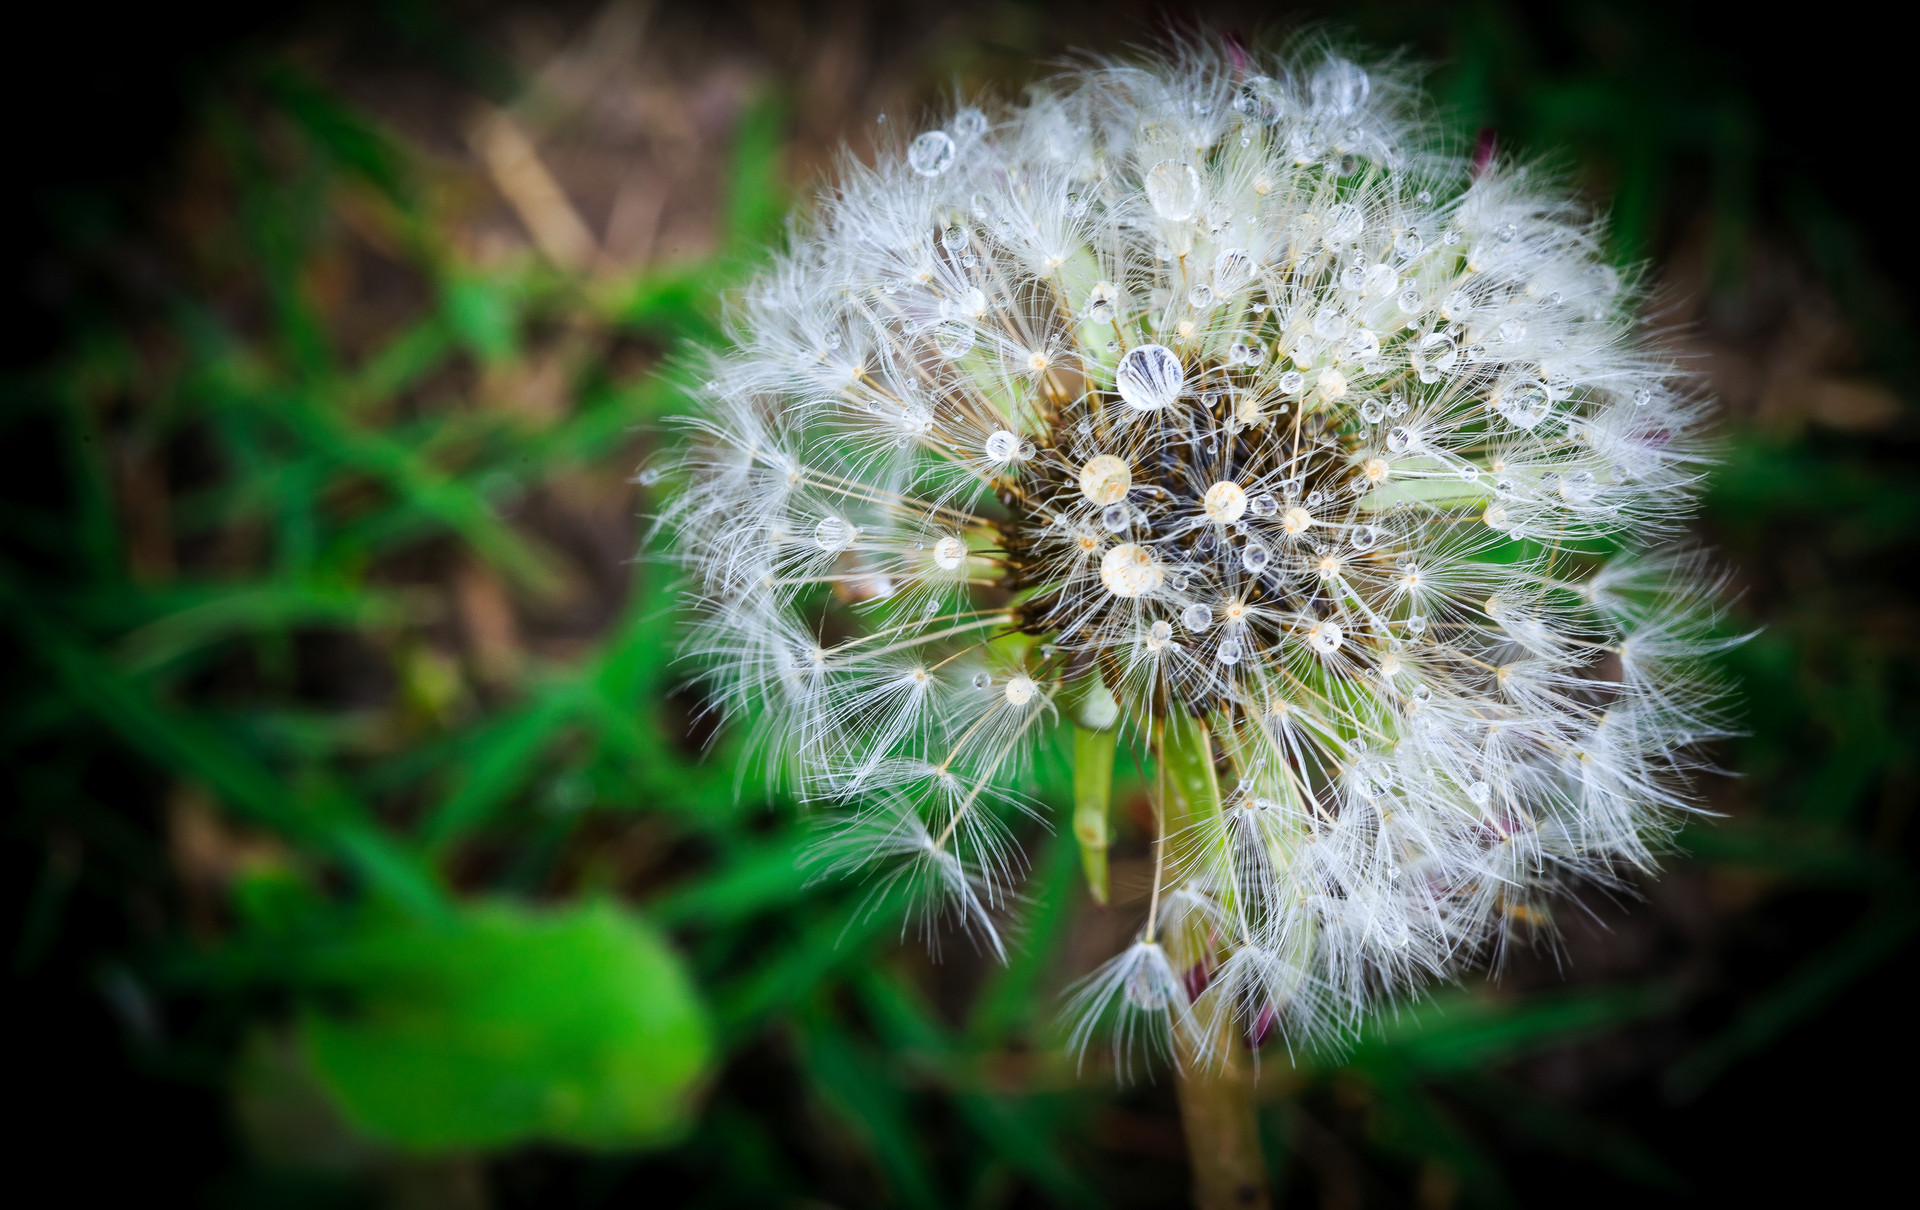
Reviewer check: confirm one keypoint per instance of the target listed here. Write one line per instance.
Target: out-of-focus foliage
(329, 684)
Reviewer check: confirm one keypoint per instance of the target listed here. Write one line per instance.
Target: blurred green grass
(228, 592)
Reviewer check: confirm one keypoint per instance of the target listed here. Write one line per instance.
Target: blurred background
(363, 845)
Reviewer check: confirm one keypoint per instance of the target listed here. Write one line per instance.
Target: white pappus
(1203, 400)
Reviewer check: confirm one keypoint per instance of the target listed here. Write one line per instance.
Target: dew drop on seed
(1196, 618)
(1314, 499)
(1409, 301)
(1114, 518)
(955, 238)
(1407, 243)
(1200, 297)
(1481, 793)
(648, 477)
(1371, 412)
(1325, 637)
(1398, 439)
(833, 534)
(1339, 86)
(1228, 652)
(1292, 381)
(1642, 397)
(1150, 377)
(1366, 537)
(1424, 197)
(1329, 323)
(981, 680)
(1264, 505)
(1161, 631)
(1002, 446)
(1173, 190)
(969, 123)
(949, 553)
(1237, 354)
(1027, 450)
(1254, 558)
(1353, 279)
(953, 338)
(1100, 302)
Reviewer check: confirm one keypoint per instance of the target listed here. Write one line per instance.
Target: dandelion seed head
(1198, 388)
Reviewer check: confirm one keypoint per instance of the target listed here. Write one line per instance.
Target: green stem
(1217, 1117)
(1214, 1078)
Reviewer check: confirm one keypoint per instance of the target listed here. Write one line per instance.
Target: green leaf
(505, 1026)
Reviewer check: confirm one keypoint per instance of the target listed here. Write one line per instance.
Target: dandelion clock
(1202, 415)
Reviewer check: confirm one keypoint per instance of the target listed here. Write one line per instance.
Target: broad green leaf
(505, 1026)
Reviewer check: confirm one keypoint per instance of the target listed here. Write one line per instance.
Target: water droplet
(1114, 518)
(1255, 557)
(1339, 86)
(1196, 618)
(648, 477)
(1371, 412)
(1264, 505)
(1407, 243)
(953, 338)
(1366, 537)
(1173, 189)
(1200, 297)
(1255, 100)
(1228, 652)
(1325, 637)
(1399, 439)
(931, 154)
(1512, 330)
(1354, 278)
(1100, 302)
(1416, 624)
(981, 680)
(833, 534)
(1002, 446)
(1329, 323)
(1150, 377)
(1238, 354)
(949, 553)
(1480, 792)
(1161, 631)
(1410, 301)
(1642, 397)
(969, 123)
(1424, 197)
(1524, 404)
(955, 238)
(1232, 269)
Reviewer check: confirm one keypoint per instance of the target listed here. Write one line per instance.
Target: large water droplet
(1173, 189)
(1150, 377)
(833, 534)
(1339, 86)
(953, 338)
(931, 154)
